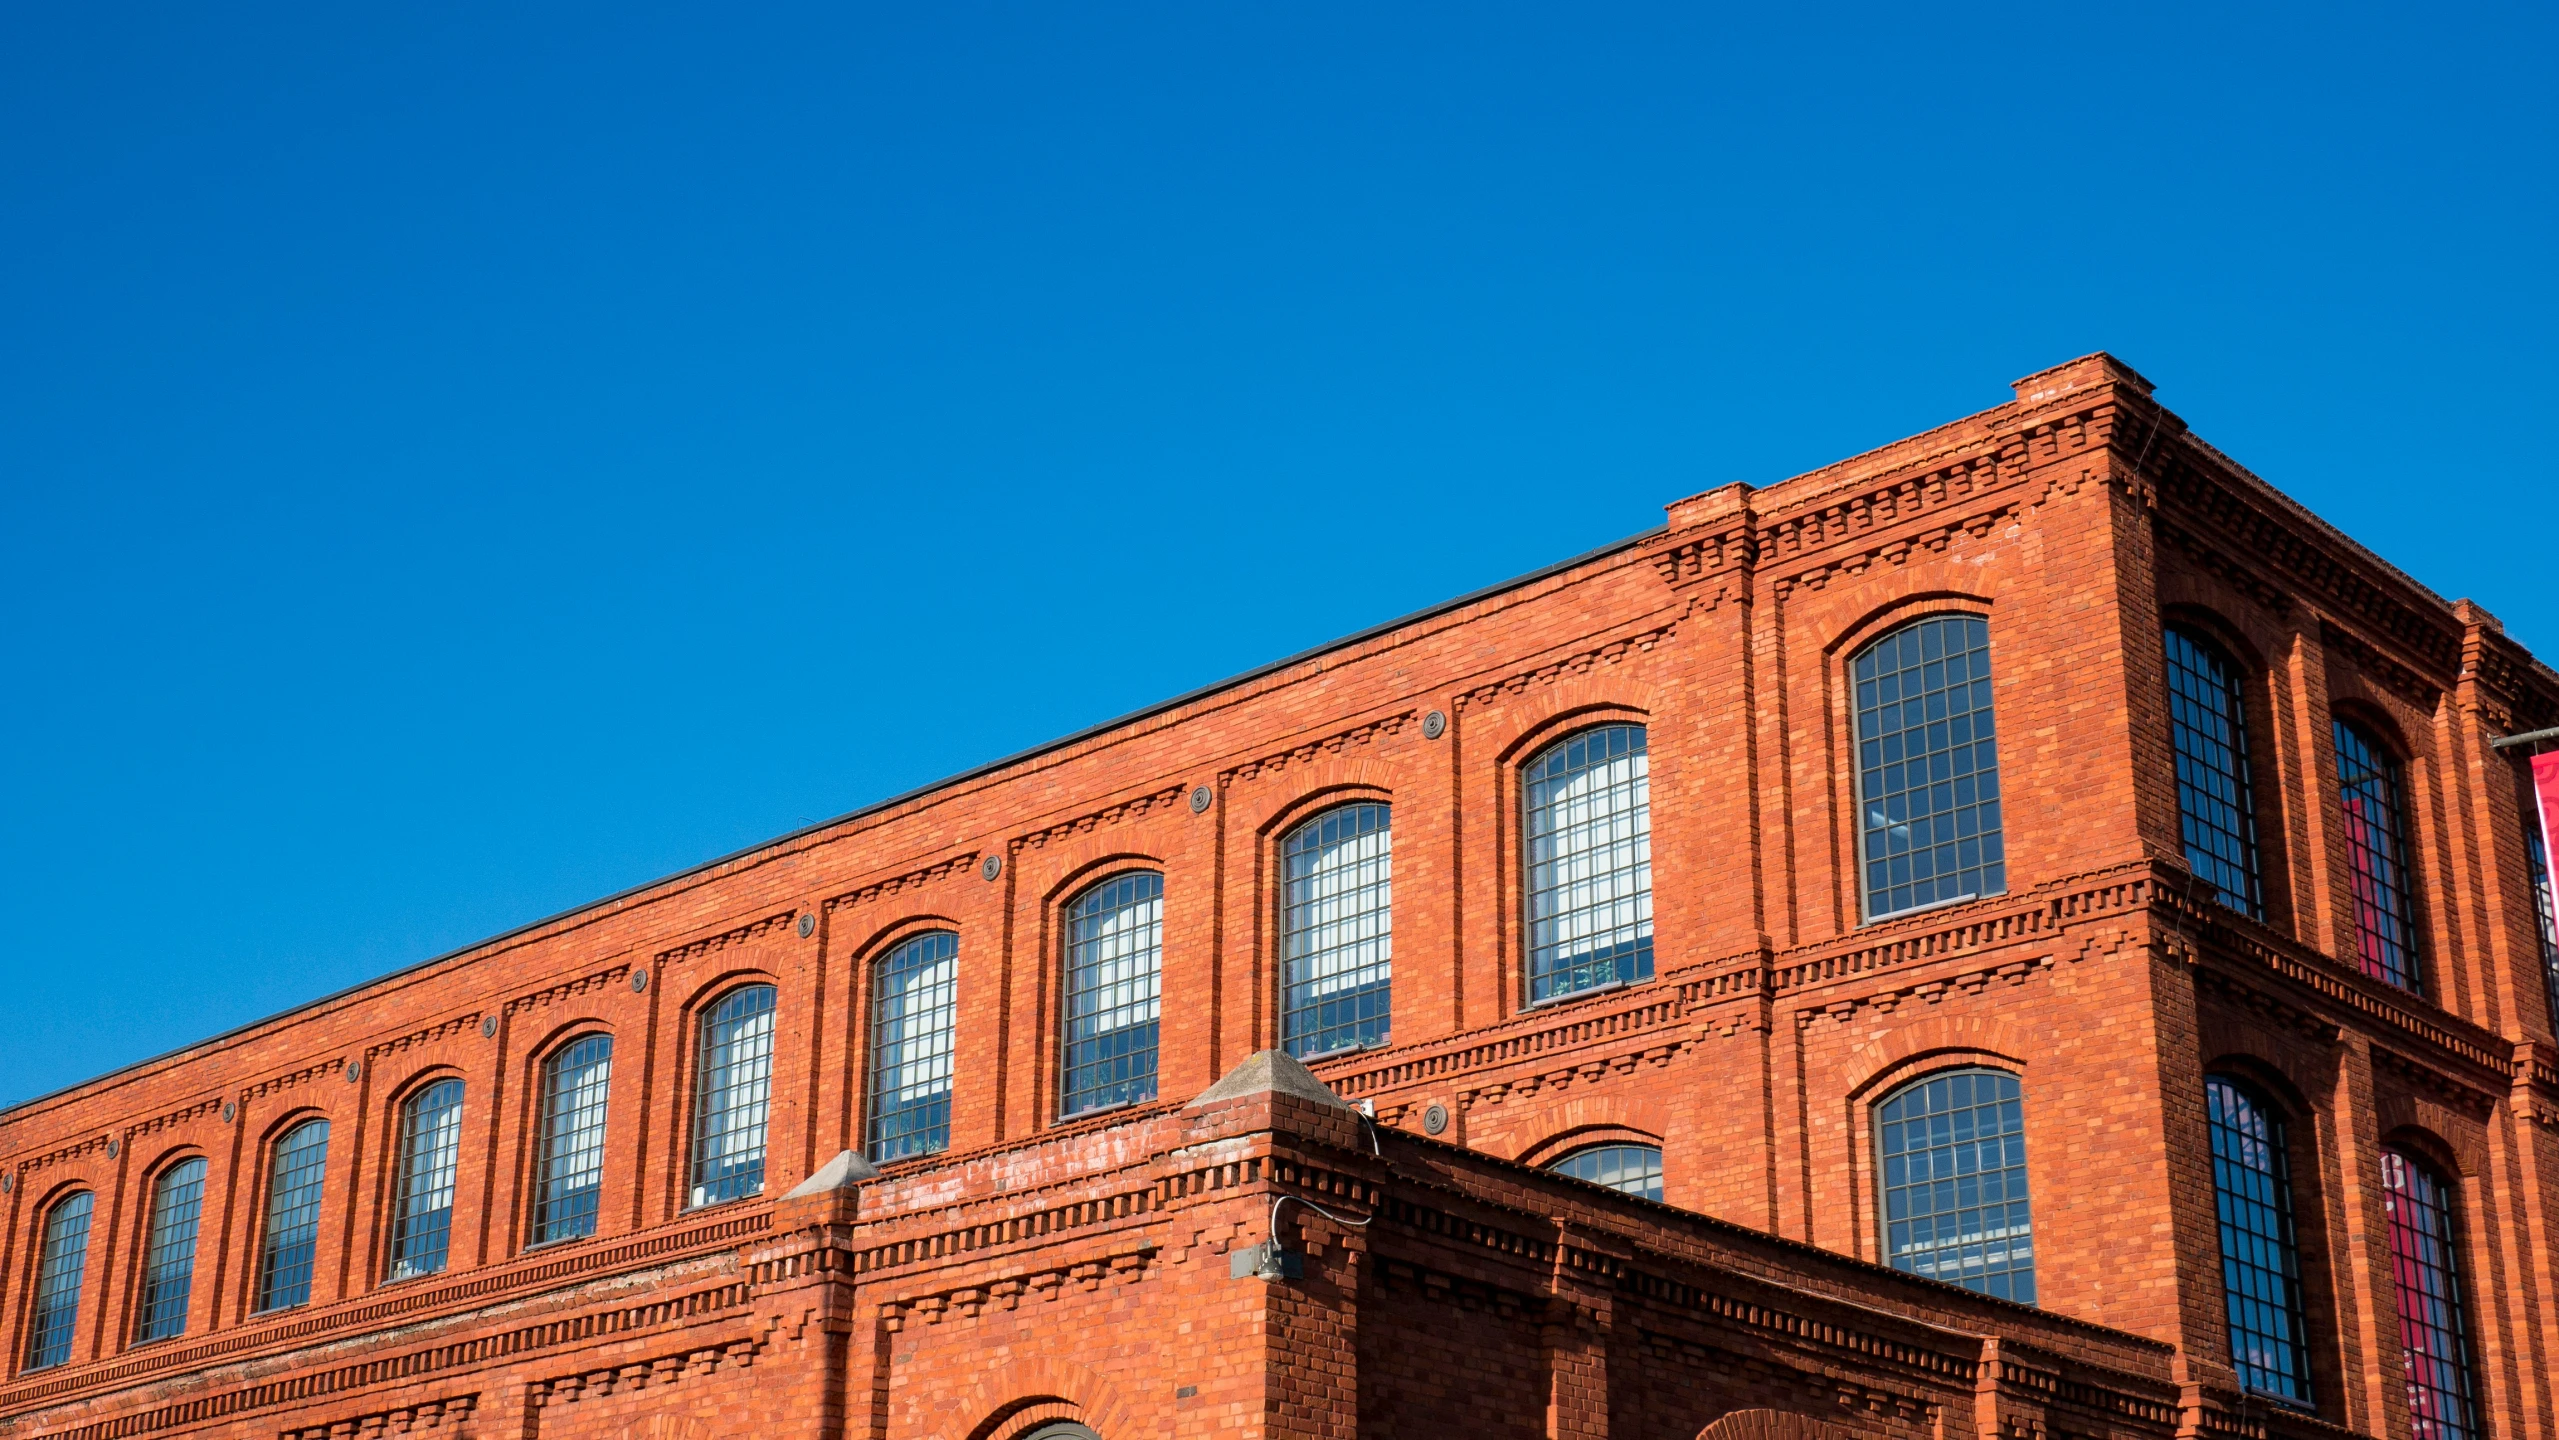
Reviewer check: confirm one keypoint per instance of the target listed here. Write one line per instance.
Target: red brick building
(2019, 933)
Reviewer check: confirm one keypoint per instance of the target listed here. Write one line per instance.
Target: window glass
(2377, 855)
(2537, 861)
(914, 1027)
(1589, 812)
(1114, 976)
(1955, 1207)
(293, 1216)
(59, 1267)
(168, 1258)
(2260, 1263)
(568, 1181)
(2218, 812)
(1928, 766)
(422, 1205)
(1336, 930)
(1633, 1169)
(730, 1097)
(2433, 1338)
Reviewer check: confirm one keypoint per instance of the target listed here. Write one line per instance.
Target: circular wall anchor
(229, 1109)
(639, 980)
(1434, 725)
(113, 1149)
(489, 1027)
(355, 1071)
(808, 926)
(1435, 1120)
(1202, 798)
(991, 867)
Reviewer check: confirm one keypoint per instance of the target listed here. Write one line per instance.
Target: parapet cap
(1269, 1072)
(1707, 507)
(2085, 373)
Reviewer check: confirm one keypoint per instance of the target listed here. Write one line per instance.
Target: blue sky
(462, 461)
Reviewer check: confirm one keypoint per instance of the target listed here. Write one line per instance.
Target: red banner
(2545, 788)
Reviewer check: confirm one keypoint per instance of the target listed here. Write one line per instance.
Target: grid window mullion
(1588, 813)
(732, 1095)
(293, 1216)
(1928, 767)
(168, 1262)
(64, 1260)
(2260, 1263)
(2369, 791)
(914, 1027)
(2537, 861)
(568, 1181)
(1114, 977)
(1953, 1150)
(2434, 1342)
(2207, 720)
(1336, 931)
(1632, 1169)
(430, 1155)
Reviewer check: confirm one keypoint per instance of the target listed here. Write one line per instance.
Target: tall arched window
(2377, 853)
(2208, 721)
(1337, 930)
(168, 1258)
(2434, 1338)
(2536, 856)
(422, 1201)
(1114, 981)
(1928, 767)
(59, 1266)
(1589, 813)
(292, 1235)
(1633, 1169)
(730, 1095)
(914, 1028)
(2260, 1262)
(1954, 1156)
(568, 1178)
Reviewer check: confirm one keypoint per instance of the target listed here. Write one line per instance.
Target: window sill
(715, 1204)
(1585, 993)
(1081, 1116)
(1930, 906)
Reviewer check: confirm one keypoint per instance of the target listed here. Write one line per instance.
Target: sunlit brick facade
(2049, 751)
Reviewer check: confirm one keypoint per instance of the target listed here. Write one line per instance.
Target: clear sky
(460, 462)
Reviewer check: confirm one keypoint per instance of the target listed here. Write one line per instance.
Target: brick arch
(667, 1427)
(2436, 1147)
(1541, 1134)
(1767, 1425)
(2249, 641)
(1019, 1397)
(1303, 791)
(1518, 727)
(1080, 864)
(1895, 1055)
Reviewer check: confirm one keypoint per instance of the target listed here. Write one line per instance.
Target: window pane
(293, 1216)
(2208, 722)
(58, 1270)
(1955, 1207)
(2537, 860)
(2377, 849)
(1336, 930)
(1928, 767)
(914, 1026)
(1634, 1169)
(168, 1261)
(2433, 1338)
(569, 1181)
(1589, 812)
(736, 1084)
(1114, 974)
(430, 1152)
(2260, 1267)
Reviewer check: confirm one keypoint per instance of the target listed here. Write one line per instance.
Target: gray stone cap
(843, 1172)
(1275, 1071)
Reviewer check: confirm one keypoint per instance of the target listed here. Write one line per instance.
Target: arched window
(2260, 1263)
(2208, 721)
(2377, 852)
(1633, 1169)
(1589, 811)
(422, 1202)
(2434, 1339)
(1114, 980)
(730, 1096)
(1928, 767)
(293, 1215)
(568, 1177)
(59, 1266)
(168, 1257)
(1337, 932)
(2536, 856)
(1955, 1208)
(914, 1025)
